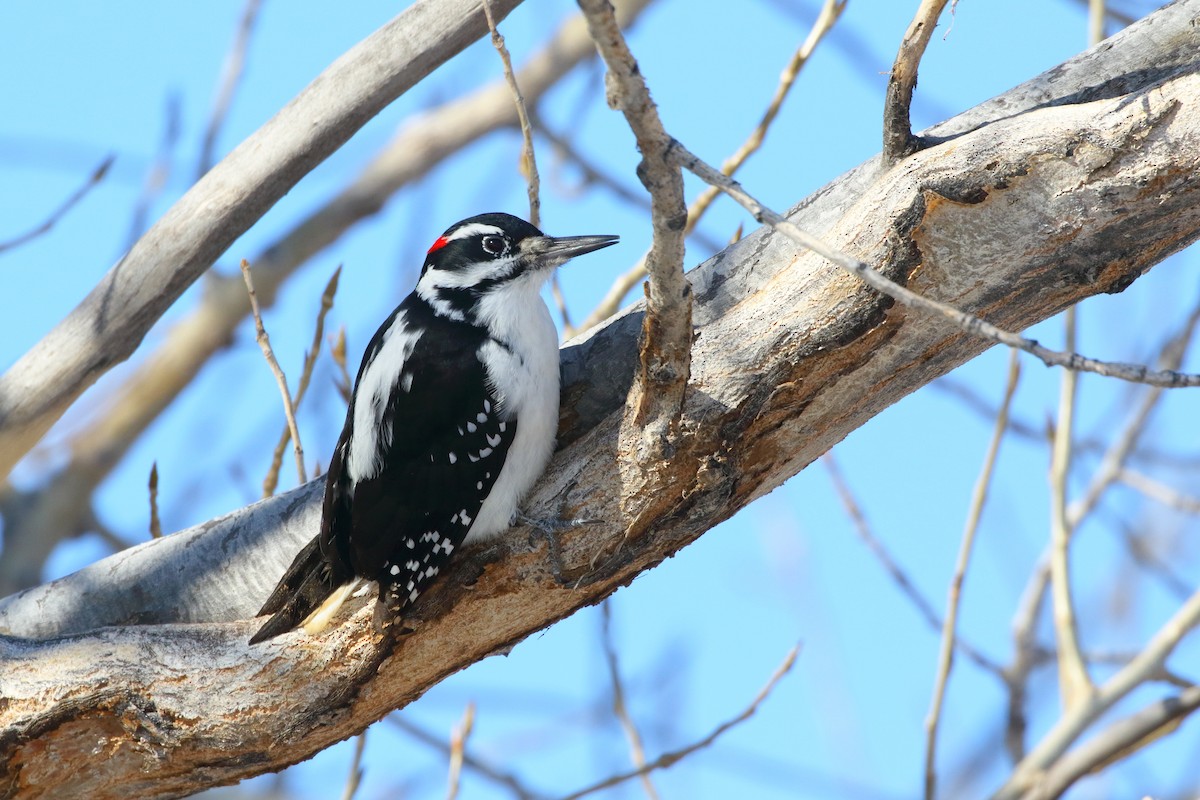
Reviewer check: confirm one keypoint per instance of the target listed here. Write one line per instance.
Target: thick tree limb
(109, 324)
(1047, 204)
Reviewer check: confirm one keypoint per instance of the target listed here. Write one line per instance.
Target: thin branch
(1096, 19)
(669, 759)
(529, 166)
(1159, 492)
(155, 523)
(1074, 683)
(656, 399)
(505, 779)
(1118, 453)
(1134, 373)
(231, 75)
(160, 171)
(949, 628)
(1149, 664)
(354, 778)
(92, 181)
(637, 751)
(897, 573)
(1119, 740)
(458, 738)
(829, 15)
(264, 342)
(271, 481)
(898, 138)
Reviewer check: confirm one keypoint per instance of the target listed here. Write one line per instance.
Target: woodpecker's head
(493, 253)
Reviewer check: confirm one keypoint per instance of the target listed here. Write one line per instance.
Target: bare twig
(354, 778)
(338, 351)
(1159, 492)
(310, 359)
(505, 779)
(155, 523)
(1134, 373)
(528, 157)
(1115, 457)
(529, 166)
(231, 75)
(673, 757)
(160, 171)
(829, 15)
(458, 741)
(656, 399)
(1096, 19)
(264, 342)
(636, 749)
(1074, 683)
(898, 138)
(1149, 664)
(92, 181)
(1120, 739)
(949, 632)
(897, 573)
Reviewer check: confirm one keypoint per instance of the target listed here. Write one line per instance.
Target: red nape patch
(438, 245)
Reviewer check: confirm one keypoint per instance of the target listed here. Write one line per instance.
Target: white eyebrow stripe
(473, 229)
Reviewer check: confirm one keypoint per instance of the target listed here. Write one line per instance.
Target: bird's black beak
(552, 251)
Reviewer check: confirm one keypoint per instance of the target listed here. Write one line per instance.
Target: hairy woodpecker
(452, 420)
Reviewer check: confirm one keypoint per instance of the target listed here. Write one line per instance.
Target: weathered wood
(1014, 221)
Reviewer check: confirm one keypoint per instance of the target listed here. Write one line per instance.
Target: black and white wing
(424, 442)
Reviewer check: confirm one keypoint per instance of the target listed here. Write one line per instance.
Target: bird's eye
(493, 245)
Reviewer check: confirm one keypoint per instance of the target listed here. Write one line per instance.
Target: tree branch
(779, 376)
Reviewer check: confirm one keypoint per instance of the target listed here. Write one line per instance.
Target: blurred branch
(155, 523)
(949, 628)
(108, 325)
(354, 779)
(637, 750)
(485, 770)
(825, 21)
(1073, 681)
(898, 138)
(264, 342)
(1169, 497)
(671, 758)
(1117, 455)
(1149, 664)
(897, 573)
(459, 736)
(1119, 740)
(231, 76)
(160, 170)
(92, 181)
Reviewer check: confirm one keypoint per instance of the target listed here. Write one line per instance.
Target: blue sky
(700, 634)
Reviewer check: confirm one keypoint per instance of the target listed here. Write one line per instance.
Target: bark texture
(1072, 185)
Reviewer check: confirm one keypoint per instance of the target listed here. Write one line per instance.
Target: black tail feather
(305, 585)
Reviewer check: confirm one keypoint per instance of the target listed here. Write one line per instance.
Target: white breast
(524, 374)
